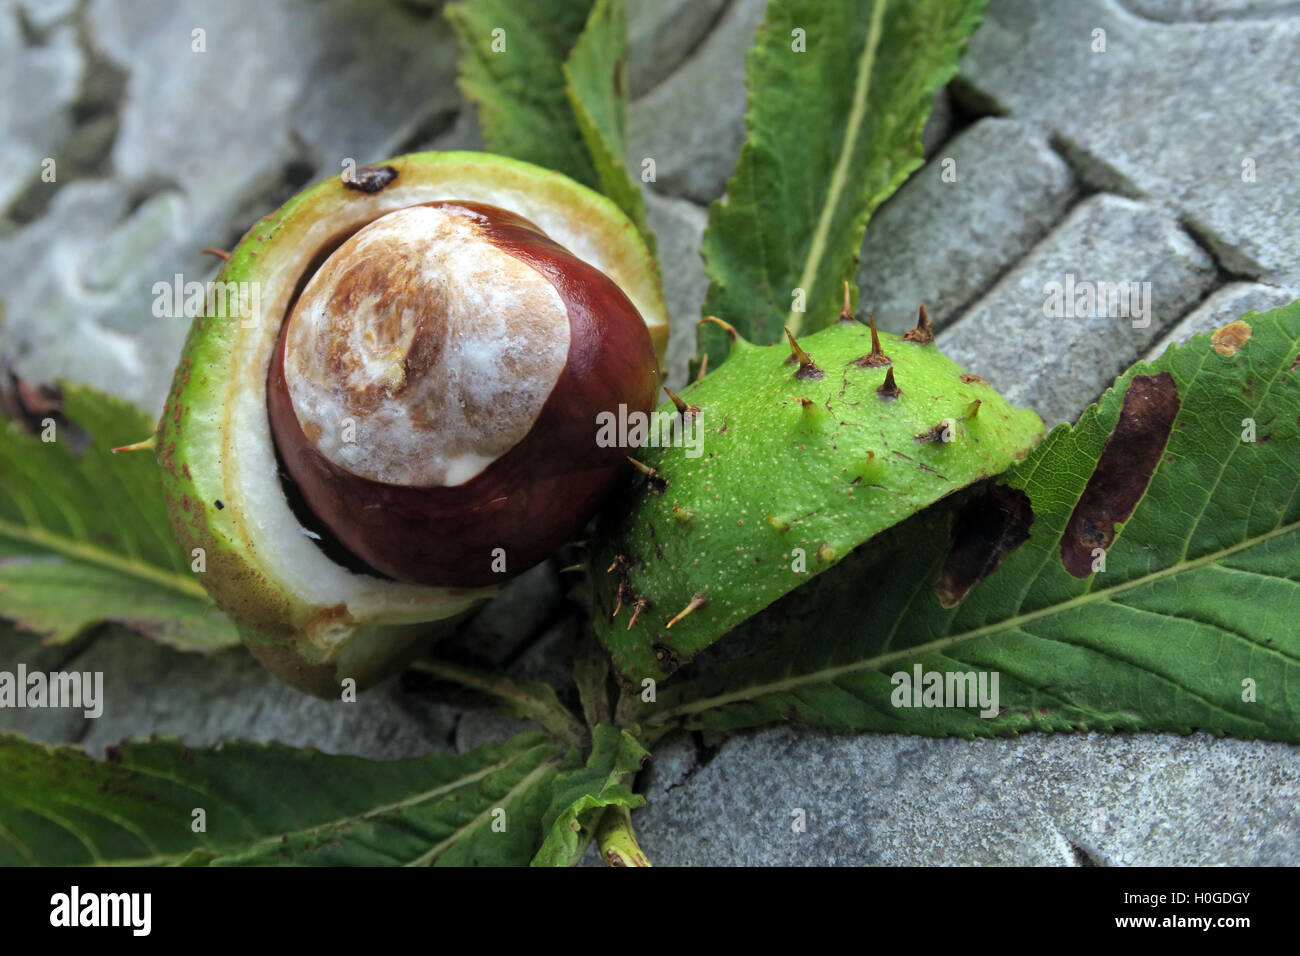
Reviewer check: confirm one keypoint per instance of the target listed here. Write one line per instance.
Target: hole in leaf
(985, 531)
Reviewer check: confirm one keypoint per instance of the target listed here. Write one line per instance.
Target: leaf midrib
(430, 856)
(238, 849)
(840, 176)
(90, 554)
(881, 660)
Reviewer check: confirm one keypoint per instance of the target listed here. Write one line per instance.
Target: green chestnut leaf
(583, 794)
(139, 807)
(84, 536)
(549, 79)
(838, 97)
(595, 77)
(512, 66)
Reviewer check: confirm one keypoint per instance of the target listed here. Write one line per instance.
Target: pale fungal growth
(441, 347)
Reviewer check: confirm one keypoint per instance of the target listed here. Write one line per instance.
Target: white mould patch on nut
(419, 329)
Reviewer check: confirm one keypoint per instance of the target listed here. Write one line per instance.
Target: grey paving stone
(678, 225)
(1038, 800)
(464, 132)
(1225, 305)
(939, 124)
(49, 724)
(497, 632)
(1193, 11)
(346, 78)
(203, 700)
(944, 242)
(547, 658)
(1169, 112)
(394, 70)
(1057, 364)
(59, 324)
(661, 34)
(693, 123)
(244, 126)
(478, 727)
(40, 82)
(42, 14)
(670, 765)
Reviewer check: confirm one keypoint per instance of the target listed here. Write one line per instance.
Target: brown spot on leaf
(972, 379)
(1230, 338)
(33, 406)
(985, 531)
(1128, 459)
(371, 179)
(28, 403)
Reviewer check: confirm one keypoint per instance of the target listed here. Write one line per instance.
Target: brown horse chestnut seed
(435, 389)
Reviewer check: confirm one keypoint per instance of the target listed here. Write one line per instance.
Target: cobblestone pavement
(1171, 157)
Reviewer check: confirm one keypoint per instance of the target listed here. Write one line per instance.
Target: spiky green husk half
(794, 471)
(310, 620)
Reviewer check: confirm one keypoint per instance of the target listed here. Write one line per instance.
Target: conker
(435, 387)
